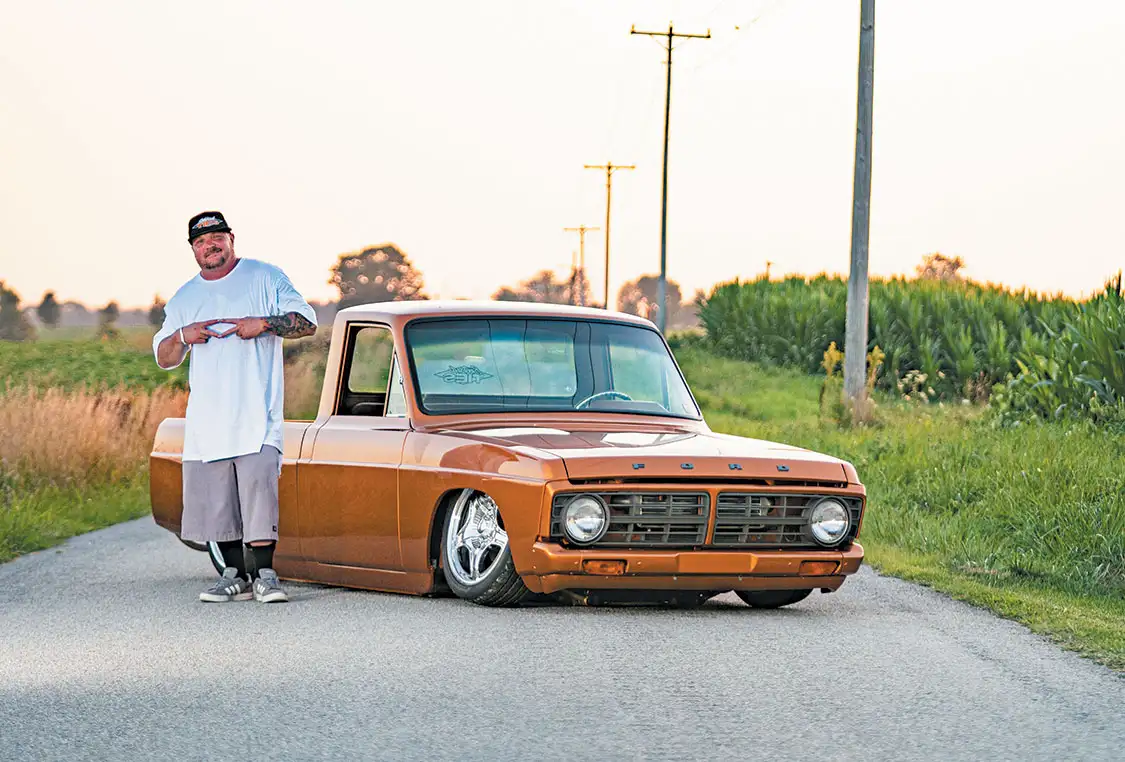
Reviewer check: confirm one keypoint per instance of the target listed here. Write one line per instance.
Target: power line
(714, 8)
(727, 47)
(662, 292)
(609, 168)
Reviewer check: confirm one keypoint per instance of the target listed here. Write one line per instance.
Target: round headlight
(584, 519)
(829, 522)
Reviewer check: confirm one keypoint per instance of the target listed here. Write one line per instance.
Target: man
(233, 437)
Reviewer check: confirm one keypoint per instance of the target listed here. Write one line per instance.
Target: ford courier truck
(501, 451)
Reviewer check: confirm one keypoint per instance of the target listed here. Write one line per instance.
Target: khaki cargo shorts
(232, 499)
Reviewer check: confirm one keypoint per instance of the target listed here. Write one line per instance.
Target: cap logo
(206, 222)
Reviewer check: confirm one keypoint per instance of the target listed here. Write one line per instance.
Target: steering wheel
(600, 395)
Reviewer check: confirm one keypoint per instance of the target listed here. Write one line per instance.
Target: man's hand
(199, 333)
(292, 325)
(245, 328)
(171, 351)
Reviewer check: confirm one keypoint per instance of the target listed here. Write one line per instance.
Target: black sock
(263, 557)
(233, 555)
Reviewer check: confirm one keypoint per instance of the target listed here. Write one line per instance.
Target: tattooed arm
(291, 326)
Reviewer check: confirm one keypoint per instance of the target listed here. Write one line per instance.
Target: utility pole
(855, 333)
(662, 292)
(581, 230)
(609, 168)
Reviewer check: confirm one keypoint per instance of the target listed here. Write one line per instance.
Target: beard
(215, 259)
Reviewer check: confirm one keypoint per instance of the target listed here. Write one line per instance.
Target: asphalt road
(106, 653)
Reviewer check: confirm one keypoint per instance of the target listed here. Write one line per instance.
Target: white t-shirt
(237, 392)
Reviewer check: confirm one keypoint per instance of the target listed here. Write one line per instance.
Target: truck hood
(640, 454)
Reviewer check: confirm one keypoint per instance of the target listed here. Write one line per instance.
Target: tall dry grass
(304, 374)
(80, 437)
(304, 377)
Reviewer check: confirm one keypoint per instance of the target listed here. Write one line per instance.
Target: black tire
(500, 586)
(211, 549)
(771, 599)
(200, 546)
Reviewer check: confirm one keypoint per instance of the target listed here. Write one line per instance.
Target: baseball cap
(207, 222)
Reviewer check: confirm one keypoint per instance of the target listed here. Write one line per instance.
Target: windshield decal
(463, 375)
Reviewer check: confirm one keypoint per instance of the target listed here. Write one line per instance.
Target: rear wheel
(772, 599)
(212, 551)
(475, 556)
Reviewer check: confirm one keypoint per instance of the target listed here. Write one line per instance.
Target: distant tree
(107, 317)
(14, 325)
(156, 312)
(377, 274)
(937, 266)
(641, 297)
(48, 310)
(542, 287)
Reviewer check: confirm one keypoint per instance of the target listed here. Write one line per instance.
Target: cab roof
(403, 311)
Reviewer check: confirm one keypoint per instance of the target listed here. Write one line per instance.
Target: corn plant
(965, 338)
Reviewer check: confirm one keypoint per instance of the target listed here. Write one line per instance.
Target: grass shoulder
(1028, 521)
(1092, 625)
(35, 519)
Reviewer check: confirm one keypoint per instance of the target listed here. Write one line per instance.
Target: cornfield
(1077, 369)
(946, 340)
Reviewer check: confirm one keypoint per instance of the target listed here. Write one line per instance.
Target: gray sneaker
(267, 589)
(229, 587)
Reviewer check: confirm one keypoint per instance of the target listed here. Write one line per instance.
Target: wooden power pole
(581, 230)
(855, 333)
(609, 168)
(662, 291)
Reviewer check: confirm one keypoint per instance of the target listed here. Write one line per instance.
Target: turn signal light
(603, 567)
(819, 568)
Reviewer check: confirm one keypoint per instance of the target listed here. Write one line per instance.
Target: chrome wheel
(474, 539)
(216, 556)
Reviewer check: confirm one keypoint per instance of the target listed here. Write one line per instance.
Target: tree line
(381, 273)
(384, 273)
(16, 324)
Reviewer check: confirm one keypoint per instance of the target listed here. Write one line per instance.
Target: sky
(459, 131)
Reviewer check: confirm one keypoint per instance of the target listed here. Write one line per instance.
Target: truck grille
(749, 520)
(646, 519)
(680, 519)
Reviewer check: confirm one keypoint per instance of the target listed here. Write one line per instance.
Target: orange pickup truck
(502, 450)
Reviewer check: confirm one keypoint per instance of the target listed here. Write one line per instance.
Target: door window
(367, 373)
(370, 367)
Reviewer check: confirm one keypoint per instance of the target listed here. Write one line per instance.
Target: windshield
(502, 364)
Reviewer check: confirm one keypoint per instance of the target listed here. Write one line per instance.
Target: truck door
(349, 482)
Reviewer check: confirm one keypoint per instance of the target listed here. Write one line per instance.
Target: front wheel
(475, 556)
(772, 599)
(212, 551)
